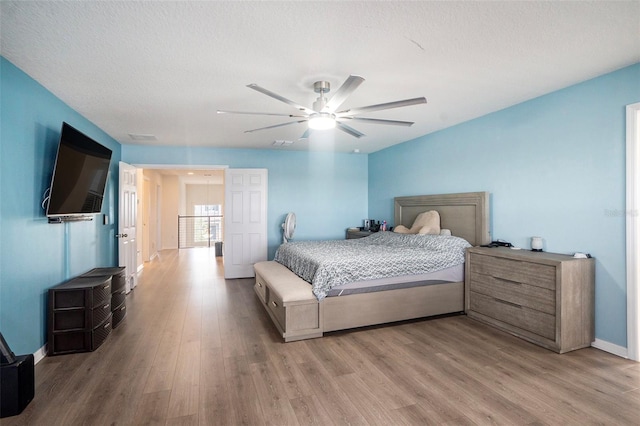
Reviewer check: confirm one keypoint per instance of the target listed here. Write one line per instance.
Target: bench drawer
(260, 288)
(274, 304)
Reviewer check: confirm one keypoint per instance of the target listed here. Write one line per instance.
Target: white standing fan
(288, 227)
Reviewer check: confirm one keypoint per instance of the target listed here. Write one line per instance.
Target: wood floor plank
(276, 407)
(216, 405)
(331, 360)
(152, 408)
(385, 388)
(309, 411)
(184, 400)
(242, 391)
(331, 396)
(365, 399)
(295, 383)
(191, 420)
(198, 349)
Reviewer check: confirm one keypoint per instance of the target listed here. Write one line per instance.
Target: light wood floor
(196, 349)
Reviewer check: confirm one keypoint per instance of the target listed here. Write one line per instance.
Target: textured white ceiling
(164, 68)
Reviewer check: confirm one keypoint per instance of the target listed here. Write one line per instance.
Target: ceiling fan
(324, 113)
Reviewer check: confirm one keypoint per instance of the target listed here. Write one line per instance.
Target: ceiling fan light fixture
(322, 121)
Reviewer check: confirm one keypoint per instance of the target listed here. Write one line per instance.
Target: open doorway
(171, 192)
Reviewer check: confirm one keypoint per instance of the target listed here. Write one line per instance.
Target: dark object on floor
(17, 385)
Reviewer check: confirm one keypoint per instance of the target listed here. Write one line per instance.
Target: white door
(128, 206)
(245, 221)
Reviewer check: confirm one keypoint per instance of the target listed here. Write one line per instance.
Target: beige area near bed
(297, 313)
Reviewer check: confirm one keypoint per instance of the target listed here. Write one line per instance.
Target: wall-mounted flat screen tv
(79, 175)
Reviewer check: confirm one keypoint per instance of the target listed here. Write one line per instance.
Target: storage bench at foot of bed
(289, 301)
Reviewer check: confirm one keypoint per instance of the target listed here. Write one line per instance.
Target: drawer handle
(259, 284)
(105, 307)
(515, 305)
(274, 303)
(123, 308)
(105, 287)
(107, 325)
(508, 281)
(123, 292)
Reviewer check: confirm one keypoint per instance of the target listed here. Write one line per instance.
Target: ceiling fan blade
(278, 97)
(350, 84)
(349, 130)
(388, 105)
(305, 135)
(379, 121)
(275, 125)
(221, 111)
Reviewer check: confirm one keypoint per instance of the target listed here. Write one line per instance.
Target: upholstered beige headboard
(465, 214)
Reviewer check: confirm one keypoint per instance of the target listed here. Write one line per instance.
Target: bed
(299, 311)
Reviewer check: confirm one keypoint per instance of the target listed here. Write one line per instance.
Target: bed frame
(298, 314)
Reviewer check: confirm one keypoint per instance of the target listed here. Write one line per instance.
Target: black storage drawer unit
(79, 317)
(118, 290)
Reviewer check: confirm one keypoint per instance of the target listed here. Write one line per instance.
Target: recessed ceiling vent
(141, 137)
(282, 143)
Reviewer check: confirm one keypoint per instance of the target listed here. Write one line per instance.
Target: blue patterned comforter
(327, 264)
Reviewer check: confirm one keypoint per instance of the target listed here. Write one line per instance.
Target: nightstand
(545, 298)
(351, 234)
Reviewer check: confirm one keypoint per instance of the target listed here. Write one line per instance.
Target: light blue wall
(326, 190)
(35, 255)
(555, 167)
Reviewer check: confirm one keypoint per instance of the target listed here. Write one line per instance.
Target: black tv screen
(79, 175)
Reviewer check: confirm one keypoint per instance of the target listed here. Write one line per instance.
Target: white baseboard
(40, 354)
(603, 345)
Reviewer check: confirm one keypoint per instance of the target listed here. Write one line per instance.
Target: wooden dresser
(545, 298)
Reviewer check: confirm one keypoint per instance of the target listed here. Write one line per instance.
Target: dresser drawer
(102, 293)
(530, 296)
(79, 319)
(100, 313)
(69, 319)
(118, 299)
(68, 299)
(516, 315)
(100, 334)
(118, 315)
(514, 270)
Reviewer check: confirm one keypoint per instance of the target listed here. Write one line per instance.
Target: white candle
(536, 243)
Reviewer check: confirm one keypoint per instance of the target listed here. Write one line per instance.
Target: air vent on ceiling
(142, 137)
(281, 142)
